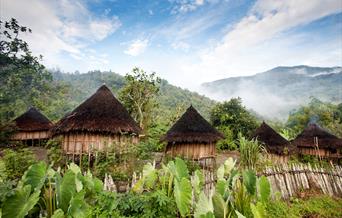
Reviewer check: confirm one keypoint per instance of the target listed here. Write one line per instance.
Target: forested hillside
(172, 100)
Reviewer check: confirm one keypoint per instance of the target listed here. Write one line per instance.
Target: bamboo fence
(288, 180)
(292, 179)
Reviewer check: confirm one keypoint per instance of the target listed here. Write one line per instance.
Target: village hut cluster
(101, 124)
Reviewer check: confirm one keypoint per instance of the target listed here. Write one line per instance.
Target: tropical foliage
(325, 114)
(232, 118)
(167, 192)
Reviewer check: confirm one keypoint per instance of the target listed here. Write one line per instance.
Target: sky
(187, 42)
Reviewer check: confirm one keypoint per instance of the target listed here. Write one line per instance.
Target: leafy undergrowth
(319, 206)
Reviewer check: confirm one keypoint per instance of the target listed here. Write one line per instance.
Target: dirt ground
(41, 153)
(224, 155)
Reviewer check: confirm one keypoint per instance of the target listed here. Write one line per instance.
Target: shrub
(17, 162)
(250, 151)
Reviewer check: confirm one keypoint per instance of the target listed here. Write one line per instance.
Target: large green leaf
(66, 188)
(58, 214)
(220, 206)
(249, 180)
(207, 215)
(264, 189)
(220, 173)
(197, 181)
(78, 176)
(239, 215)
(181, 169)
(183, 194)
(258, 210)
(203, 206)
(19, 204)
(229, 164)
(35, 176)
(221, 187)
(234, 175)
(149, 175)
(78, 207)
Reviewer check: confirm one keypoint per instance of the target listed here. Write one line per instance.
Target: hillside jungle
(43, 182)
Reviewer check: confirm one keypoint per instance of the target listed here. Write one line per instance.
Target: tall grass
(250, 152)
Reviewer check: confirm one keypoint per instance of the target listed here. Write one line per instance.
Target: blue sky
(187, 42)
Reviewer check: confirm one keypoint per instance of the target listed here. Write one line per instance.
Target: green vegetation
(325, 114)
(138, 95)
(250, 152)
(176, 189)
(232, 118)
(315, 206)
(167, 192)
(15, 163)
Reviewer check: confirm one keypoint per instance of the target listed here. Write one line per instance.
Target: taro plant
(236, 194)
(43, 191)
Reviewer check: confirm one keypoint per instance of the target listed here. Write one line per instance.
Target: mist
(274, 93)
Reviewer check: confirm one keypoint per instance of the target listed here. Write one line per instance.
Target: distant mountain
(171, 99)
(277, 91)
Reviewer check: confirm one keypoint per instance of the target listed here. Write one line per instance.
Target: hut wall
(84, 143)
(312, 151)
(192, 150)
(275, 158)
(31, 135)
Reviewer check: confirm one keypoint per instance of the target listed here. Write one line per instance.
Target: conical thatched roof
(274, 142)
(192, 127)
(325, 139)
(101, 113)
(32, 120)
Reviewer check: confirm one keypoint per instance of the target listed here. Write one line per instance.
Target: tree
(233, 115)
(139, 95)
(325, 114)
(23, 79)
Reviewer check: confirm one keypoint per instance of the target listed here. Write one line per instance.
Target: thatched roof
(192, 127)
(325, 139)
(273, 142)
(101, 113)
(32, 120)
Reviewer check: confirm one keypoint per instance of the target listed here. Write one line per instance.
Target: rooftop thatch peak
(192, 127)
(273, 141)
(32, 120)
(313, 131)
(101, 112)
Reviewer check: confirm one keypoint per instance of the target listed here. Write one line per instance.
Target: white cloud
(181, 46)
(59, 26)
(258, 42)
(137, 47)
(184, 6)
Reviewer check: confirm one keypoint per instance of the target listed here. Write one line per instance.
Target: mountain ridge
(281, 88)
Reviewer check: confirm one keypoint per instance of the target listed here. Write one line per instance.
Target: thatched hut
(192, 137)
(277, 147)
(100, 123)
(314, 140)
(32, 127)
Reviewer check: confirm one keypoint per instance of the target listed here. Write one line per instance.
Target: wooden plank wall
(31, 135)
(85, 143)
(322, 153)
(191, 150)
